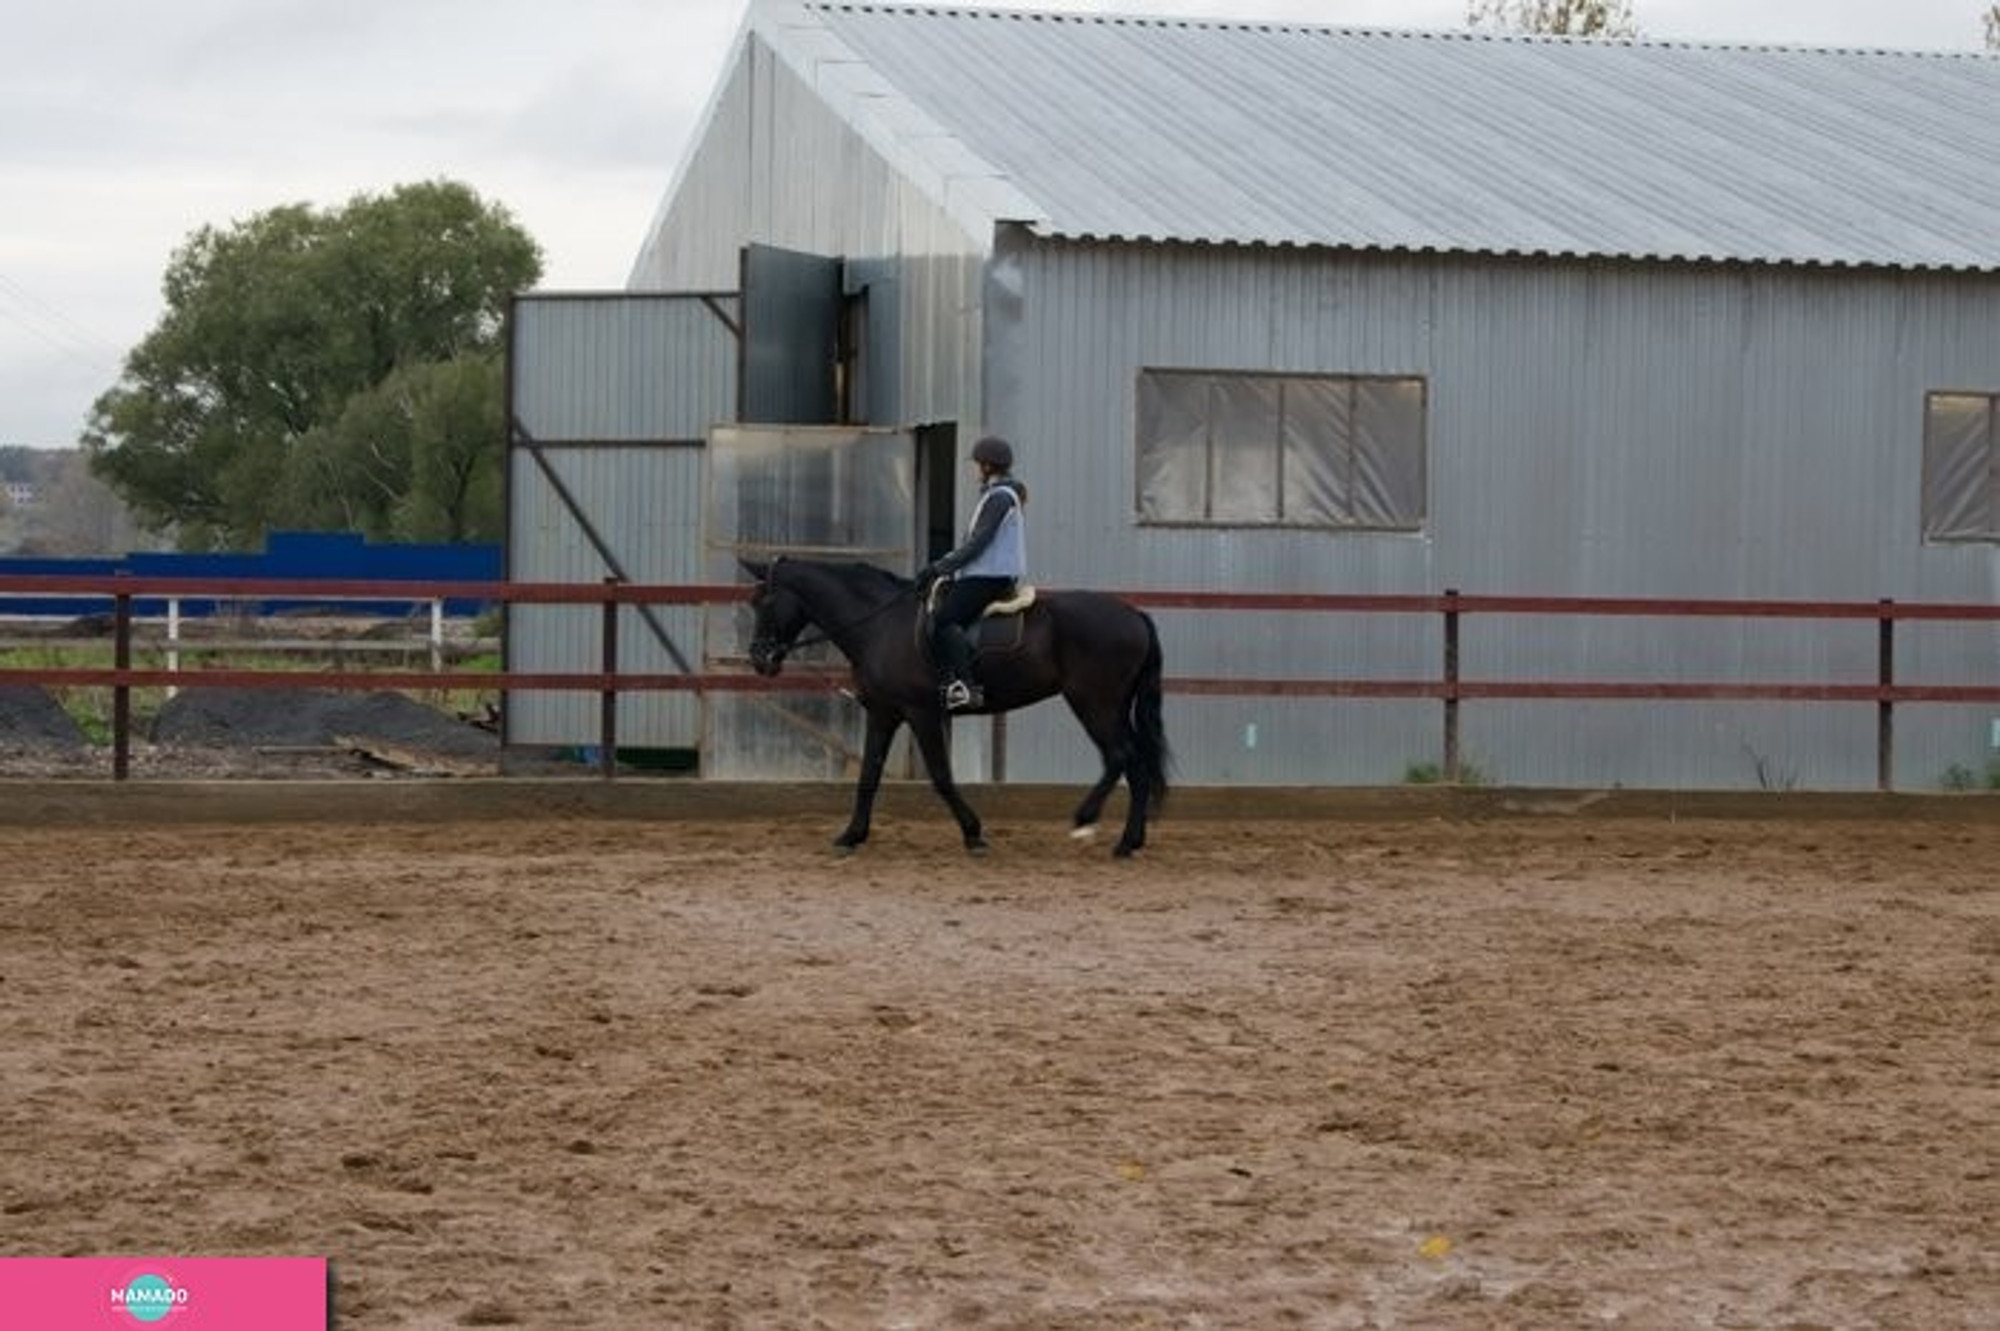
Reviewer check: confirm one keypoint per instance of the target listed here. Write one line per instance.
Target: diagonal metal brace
(647, 613)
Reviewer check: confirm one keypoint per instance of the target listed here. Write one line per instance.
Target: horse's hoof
(1087, 832)
(975, 846)
(1123, 850)
(846, 845)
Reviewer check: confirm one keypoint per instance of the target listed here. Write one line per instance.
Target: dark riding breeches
(953, 621)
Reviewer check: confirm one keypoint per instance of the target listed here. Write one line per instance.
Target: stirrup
(959, 695)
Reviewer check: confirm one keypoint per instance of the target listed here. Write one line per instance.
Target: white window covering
(1962, 467)
(1289, 450)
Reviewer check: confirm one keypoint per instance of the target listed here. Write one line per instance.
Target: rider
(986, 567)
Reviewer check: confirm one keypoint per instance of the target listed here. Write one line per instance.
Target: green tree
(1572, 18)
(275, 326)
(418, 457)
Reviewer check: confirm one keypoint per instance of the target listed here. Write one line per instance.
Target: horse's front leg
(931, 742)
(874, 753)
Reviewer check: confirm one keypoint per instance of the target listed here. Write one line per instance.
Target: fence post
(121, 692)
(1451, 756)
(607, 702)
(437, 634)
(1885, 710)
(173, 641)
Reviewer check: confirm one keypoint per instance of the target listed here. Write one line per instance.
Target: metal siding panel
(1091, 317)
(646, 503)
(777, 166)
(1716, 433)
(604, 368)
(603, 383)
(701, 226)
(1595, 430)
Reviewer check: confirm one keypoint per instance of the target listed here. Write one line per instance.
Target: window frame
(1938, 509)
(1415, 469)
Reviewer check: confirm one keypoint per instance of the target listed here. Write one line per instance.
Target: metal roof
(1118, 127)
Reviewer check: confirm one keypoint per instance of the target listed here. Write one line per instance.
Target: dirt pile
(254, 733)
(30, 718)
(304, 717)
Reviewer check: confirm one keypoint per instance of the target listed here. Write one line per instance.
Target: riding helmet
(994, 452)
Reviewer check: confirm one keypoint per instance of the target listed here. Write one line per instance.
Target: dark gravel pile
(308, 717)
(30, 717)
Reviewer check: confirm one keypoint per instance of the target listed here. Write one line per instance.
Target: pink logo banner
(171, 1293)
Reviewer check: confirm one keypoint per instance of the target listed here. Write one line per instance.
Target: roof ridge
(1221, 23)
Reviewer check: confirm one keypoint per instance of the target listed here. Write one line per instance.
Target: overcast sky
(127, 124)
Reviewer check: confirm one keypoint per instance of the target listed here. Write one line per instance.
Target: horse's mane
(874, 573)
(862, 577)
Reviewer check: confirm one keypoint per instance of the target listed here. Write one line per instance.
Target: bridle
(771, 649)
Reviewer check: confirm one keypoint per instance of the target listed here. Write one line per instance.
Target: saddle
(999, 626)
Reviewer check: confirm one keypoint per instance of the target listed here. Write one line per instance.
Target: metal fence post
(607, 702)
(1451, 753)
(121, 692)
(1885, 710)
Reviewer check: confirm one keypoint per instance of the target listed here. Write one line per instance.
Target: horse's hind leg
(1083, 824)
(1111, 730)
(1134, 835)
(1106, 730)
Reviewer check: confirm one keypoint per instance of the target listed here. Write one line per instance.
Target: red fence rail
(1449, 687)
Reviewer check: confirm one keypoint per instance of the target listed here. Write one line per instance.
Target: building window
(1344, 452)
(1962, 467)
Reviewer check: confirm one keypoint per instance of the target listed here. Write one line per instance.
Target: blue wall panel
(334, 556)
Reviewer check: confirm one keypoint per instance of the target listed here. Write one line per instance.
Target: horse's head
(781, 617)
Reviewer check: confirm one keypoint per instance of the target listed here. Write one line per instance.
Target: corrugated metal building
(1283, 308)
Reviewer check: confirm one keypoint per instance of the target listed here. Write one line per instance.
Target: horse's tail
(1150, 755)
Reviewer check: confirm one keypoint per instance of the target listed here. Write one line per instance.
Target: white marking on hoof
(1088, 832)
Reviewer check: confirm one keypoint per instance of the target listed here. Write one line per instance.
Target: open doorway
(937, 490)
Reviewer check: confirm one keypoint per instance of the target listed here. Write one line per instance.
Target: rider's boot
(960, 692)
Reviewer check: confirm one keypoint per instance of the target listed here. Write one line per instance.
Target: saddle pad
(1023, 597)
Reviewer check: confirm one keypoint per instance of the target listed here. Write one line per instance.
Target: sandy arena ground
(1398, 1072)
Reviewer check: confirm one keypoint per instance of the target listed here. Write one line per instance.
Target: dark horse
(1102, 655)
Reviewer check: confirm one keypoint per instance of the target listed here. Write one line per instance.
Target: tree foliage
(418, 457)
(290, 337)
(1558, 18)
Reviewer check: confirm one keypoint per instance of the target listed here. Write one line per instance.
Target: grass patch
(1960, 777)
(1432, 774)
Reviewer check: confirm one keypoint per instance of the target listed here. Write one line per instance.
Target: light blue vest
(1006, 555)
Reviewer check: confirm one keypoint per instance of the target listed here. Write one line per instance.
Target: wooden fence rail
(1448, 687)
